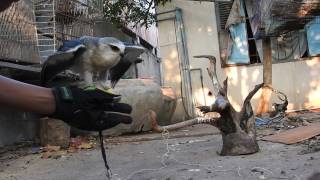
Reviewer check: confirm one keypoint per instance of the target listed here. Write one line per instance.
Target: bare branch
(252, 93)
(225, 88)
(246, 110)
(212, 71)
(199, 120)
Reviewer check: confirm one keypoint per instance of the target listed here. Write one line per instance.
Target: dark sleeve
(5, 4)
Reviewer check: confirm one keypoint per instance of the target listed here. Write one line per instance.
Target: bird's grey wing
(89, 40)
(130, 56)
(58, 63)
(118, 71)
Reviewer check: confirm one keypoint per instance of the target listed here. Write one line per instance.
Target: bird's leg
(71, 75)
(104, 80)
(88, 78)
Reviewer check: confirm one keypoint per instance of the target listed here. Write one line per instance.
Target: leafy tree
(131, 12)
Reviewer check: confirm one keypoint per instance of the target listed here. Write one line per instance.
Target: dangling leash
(103, 152)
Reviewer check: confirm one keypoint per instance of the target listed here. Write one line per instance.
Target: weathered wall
(201, 36)
(300, 80)
(17, 126)
(149, 68)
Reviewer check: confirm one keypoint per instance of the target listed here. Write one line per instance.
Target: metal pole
(202, 84)
(183, 57)
(185, 61)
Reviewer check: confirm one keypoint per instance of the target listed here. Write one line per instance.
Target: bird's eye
(114, 48)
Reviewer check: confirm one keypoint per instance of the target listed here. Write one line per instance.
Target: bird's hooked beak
(120, 47)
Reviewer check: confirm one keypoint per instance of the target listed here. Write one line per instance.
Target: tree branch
(246, 110)
(252, 93)
(200, 120)
(225, 88)
(212, 71)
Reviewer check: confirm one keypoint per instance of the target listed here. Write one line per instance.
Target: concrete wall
(149, 68)
(300, 80)
(17, 126)
(201, 36)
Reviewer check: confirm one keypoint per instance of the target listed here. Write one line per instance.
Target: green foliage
(131, 12)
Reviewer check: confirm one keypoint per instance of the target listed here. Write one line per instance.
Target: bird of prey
(102, 57)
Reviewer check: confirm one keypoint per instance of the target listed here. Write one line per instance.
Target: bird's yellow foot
(105, 89)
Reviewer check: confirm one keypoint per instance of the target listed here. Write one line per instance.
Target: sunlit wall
(300, 80)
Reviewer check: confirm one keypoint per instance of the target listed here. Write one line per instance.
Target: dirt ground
(189, 154)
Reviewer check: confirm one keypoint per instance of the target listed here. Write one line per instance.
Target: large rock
(144, 95)
(164, 117)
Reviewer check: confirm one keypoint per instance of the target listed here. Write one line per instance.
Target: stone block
(54, 132)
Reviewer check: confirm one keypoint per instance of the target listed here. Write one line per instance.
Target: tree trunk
(237, 128)
(264, 103)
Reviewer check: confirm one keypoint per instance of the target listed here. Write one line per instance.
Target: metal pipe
(164, 19)
(186, 67)
(166, 12)
(202, 84)
(184, 58)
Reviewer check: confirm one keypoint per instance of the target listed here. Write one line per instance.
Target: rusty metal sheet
(295, 135)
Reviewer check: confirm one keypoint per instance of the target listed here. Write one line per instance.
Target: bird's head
(114, 45)
(117, 47)
(111, 49)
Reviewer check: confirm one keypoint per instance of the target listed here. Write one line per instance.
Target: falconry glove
(90, 109)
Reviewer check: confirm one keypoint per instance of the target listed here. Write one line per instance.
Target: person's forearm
(26, 97)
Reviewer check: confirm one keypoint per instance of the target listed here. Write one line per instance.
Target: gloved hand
(91, 109)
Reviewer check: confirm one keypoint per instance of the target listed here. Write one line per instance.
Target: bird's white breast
(102, 57)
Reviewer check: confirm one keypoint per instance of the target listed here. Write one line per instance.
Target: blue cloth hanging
(313, 36)
(239, 50)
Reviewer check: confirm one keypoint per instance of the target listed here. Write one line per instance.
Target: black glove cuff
(62, 95)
